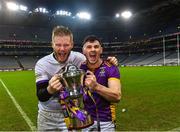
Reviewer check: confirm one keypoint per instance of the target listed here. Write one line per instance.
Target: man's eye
(88, 47)
(58, 45)
(97, 46)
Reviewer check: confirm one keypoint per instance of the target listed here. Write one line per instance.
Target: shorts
(51, 121)
(104, 126)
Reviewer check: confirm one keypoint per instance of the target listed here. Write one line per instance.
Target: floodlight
(12, 6)
(41, 9)
(23, 8)
(126, 14)
(63, 13)
(117, 15)
(84, 15)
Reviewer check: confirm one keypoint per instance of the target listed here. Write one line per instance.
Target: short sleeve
(40, 72)
(113, 72)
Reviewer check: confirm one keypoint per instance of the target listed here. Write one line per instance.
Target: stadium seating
(8, 62)
(20, 46)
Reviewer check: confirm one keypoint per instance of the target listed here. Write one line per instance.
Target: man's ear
(83, 51)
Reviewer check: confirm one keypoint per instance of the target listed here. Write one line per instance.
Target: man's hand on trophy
(54, 84)
(113, 60)
(90, 81)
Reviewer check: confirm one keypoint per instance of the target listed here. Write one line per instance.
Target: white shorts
(104, 126)
(51, 121)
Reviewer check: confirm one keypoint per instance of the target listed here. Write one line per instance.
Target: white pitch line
(24, 115)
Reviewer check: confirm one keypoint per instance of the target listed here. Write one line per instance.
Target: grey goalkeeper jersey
(47, 67)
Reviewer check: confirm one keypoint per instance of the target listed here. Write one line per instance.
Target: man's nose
(92, 48)
(61, 48)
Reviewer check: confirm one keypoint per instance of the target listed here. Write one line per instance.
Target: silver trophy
(71, 99)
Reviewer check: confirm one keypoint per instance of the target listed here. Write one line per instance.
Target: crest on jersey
(102, 72)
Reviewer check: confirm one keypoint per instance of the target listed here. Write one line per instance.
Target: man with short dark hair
(103, 80)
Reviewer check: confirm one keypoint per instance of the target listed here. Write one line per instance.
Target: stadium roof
(148, 15)
(109, 8)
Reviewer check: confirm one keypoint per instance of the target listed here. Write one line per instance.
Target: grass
(22, 86)
(151, 97)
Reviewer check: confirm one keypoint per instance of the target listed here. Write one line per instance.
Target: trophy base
(76, 124)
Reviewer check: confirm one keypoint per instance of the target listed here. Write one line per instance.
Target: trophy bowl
(72, 79)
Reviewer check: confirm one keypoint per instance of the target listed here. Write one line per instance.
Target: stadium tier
(157, 51)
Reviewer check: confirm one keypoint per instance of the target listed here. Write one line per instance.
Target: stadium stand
(8, 62)
(22, 46)
(28, 62)
(10, 32)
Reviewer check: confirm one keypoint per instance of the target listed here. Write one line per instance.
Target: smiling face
(62, 46)
(92, 51)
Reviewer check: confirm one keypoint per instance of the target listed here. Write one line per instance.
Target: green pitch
(150, 99)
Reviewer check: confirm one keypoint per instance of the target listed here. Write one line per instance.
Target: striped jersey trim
(113, 111)
(113, 78)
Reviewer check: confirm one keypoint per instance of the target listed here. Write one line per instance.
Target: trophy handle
(62, 80)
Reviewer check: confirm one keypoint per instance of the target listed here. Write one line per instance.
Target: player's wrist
(96, 87)
(50, 91)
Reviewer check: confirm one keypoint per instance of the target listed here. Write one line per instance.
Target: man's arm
(42, 92)
(45, 88)
(111, 93)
